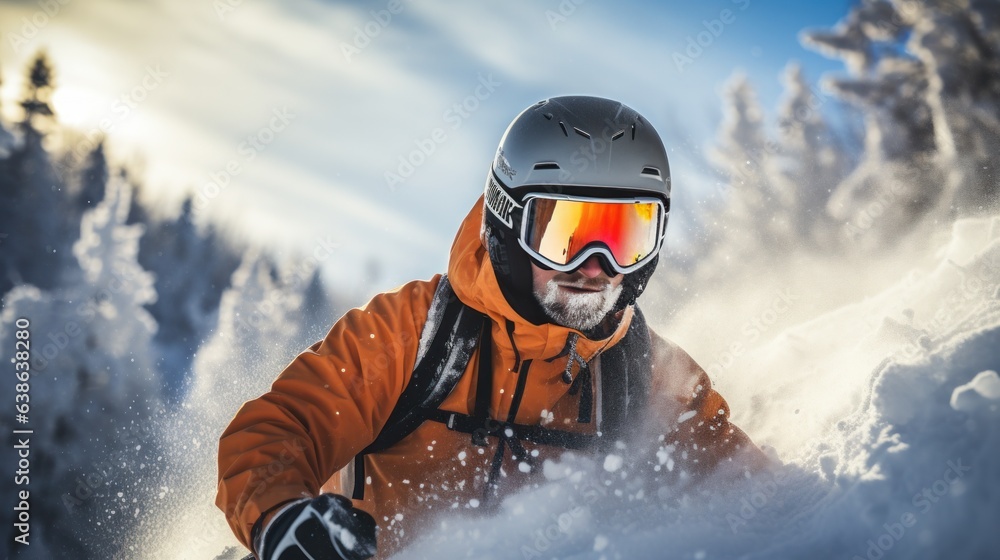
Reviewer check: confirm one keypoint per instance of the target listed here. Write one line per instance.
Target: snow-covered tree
(811, 160)
(925, 75)
(37, 101)
(264, 321)
(6, 138)
(917, 117)
(94, 389)
(259, 331)
(320, 307)
(187, 307)
(752, 214)
(92, 179)
(38, 237)
(957, 41)
(120, 302)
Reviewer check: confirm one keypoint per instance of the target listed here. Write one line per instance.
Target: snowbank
(886, 415)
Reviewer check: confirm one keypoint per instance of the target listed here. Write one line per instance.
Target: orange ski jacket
(300, 438)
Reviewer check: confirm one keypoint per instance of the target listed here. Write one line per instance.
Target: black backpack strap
(527, 432)
(484, 388)
(452, 343)
(626, 372)
(626, 369)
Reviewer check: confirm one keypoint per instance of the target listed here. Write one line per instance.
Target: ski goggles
(562, 231)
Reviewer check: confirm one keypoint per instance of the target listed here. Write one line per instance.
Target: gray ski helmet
(573, 145)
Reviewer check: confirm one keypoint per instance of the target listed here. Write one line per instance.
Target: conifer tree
(37, 101)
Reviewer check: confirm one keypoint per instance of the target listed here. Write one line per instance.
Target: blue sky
(310, 104)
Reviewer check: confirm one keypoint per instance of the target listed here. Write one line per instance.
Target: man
(448, 393)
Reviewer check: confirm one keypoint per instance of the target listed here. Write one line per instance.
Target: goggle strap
(501, 204)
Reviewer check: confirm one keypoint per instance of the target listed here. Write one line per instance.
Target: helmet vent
(651, 171)
(633, 134)
(548, 116)
(563, 127)
(581, 133)
(546, 165)
(618, 135)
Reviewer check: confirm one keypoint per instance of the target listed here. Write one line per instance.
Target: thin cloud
(359, 113)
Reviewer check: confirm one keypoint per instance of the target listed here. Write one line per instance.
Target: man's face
(579, 299)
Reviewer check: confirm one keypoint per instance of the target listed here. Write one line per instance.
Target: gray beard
(578, 311)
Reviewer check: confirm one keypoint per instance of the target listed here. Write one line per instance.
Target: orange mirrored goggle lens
(559, 229)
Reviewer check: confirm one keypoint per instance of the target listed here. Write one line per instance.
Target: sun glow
(78, 107)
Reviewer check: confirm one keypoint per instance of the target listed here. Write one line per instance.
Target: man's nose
(591, 268)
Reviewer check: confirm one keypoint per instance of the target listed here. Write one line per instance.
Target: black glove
(325, 527)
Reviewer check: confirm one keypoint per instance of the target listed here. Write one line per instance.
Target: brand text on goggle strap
(500, 203)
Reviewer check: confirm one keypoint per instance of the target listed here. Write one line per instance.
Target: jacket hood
(475, 283)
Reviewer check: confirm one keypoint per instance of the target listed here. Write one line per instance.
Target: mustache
(578, 280)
